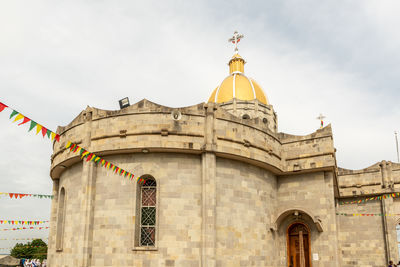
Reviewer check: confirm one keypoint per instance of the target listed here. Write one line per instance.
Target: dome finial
(235, 39)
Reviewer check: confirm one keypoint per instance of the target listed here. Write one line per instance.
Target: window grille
(148, 201)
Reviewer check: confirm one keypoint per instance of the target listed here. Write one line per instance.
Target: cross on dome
(235, 39)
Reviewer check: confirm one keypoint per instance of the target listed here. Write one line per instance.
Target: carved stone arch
(300, 211)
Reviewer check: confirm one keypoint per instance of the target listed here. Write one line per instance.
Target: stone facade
(228, 189)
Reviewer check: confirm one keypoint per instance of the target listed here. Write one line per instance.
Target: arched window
(148, 211)
(60, 220)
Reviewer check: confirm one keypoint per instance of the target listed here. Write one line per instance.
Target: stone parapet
(149, 127)
(380, 178)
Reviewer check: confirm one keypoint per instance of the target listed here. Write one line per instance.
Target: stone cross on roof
(235, 39)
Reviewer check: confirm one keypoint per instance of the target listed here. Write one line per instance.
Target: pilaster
(88, 189)
(53, 221)
(208, 235)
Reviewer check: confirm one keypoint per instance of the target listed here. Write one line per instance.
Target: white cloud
(309, 56)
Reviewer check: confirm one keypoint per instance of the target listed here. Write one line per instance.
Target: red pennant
(72, 147)
(25, 120)
(2, 106)
(11, 195)
(57, 137)
(116, 169)
(89, 157)
(44, 131)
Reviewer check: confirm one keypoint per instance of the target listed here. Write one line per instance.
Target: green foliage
(37, 249)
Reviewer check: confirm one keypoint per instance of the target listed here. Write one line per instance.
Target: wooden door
(298, 246)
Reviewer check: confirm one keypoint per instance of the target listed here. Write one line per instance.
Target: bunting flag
(22, 119)
(15, 222)
(96, 159)
(45, 132)
(358, 201)
(32, 238)
(21, 195)
(25, 246)
(367, 214)
(25, 228)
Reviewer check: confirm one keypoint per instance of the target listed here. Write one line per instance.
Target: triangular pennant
(44, 131)
(84, 154)
(53, 135)
(25, 120)
(18, 117)
(68, 144)
(38, 128)
(13, 113)
(2, 106)
(57, 137)
(89, 157)
(72, 147)
(48, 133)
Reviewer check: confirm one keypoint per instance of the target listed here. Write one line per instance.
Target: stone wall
(361, 238)
(111, 231)
(71, 241)
(312, 196)
(245, 202)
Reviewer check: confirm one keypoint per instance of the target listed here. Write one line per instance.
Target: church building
(216, 184)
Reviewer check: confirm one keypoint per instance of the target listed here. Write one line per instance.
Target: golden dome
(237, 85)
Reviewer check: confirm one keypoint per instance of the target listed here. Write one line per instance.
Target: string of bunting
(22, 222)
(96, 159)
(21, 195)
(393, 195)
(24, 238)
(17, 116)
(24, 228)
(33, 124)
(25, 246)
(367, 214)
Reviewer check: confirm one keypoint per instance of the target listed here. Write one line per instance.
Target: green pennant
(33, 125)
(81, 152)
(48, 133)
(13, 113)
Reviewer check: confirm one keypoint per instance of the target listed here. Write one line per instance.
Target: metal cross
(236, 39)
(321, 118)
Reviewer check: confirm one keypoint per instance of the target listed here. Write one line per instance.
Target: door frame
(288, 241)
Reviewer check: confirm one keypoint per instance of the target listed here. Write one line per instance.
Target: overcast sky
(340, 59)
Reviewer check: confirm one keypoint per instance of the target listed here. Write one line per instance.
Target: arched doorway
(298, 245)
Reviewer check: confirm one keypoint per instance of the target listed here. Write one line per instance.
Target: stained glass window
(148, 201)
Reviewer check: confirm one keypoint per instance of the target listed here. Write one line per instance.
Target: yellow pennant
(38, 128)
(18, 117)
(68, 144)
(52, 136)
(84, 154)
